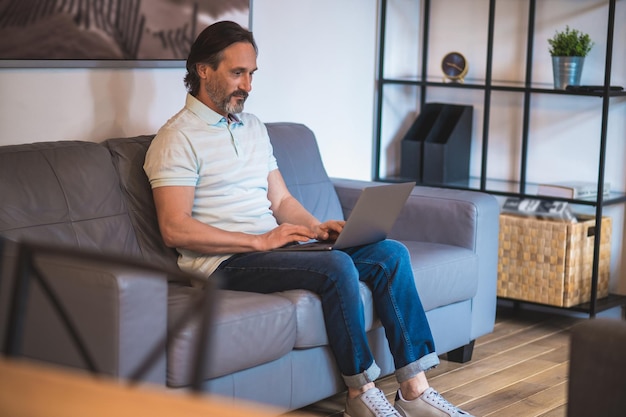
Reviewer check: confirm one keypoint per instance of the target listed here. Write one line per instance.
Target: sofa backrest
(300, 163)
(97, 196)
(64, 193)
(298, 158)
(128, 155)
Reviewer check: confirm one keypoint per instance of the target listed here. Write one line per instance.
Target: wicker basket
(550, 262)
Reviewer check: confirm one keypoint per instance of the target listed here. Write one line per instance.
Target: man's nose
(246, 83)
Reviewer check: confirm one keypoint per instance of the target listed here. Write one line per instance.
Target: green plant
(570, 42)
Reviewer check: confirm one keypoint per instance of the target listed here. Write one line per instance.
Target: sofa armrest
(119, 312)
(435, 215)
(464, 218)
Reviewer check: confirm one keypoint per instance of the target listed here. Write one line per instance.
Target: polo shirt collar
(207, 114)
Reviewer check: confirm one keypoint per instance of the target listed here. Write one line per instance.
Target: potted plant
(568, 49)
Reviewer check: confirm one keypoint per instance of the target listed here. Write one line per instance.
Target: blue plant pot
(567, 70)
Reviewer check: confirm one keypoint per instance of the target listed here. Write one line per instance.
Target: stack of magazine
(540, 209)
(573, 189)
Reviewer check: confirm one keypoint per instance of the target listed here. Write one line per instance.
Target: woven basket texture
(550, 262)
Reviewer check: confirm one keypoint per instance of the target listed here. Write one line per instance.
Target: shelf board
(506, 188)
(602, 304)
(510, 86)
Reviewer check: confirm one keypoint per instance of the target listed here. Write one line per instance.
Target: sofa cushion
(64, 193)
(300, 163)
(311, 330)
(250, 329)
(444, 274)
(128, 155)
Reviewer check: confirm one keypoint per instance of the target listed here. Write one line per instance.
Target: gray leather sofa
(266, 347)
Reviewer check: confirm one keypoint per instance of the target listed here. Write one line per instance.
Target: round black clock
(454, 66)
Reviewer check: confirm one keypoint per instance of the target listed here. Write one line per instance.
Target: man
(222, 202)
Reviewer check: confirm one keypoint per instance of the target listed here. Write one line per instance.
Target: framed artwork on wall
(108, 33)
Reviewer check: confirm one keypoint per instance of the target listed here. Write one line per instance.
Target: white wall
(317, 66)
(85, 104)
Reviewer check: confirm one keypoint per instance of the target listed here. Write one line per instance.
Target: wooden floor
(519, 370)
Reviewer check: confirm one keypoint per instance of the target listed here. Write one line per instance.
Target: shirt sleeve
(272, 164)
(171, 161)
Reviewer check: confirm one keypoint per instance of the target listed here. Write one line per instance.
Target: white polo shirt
(227, 163)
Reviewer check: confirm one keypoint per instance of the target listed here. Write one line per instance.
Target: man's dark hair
(208, 48)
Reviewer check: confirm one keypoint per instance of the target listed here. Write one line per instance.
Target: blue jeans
(334, 275)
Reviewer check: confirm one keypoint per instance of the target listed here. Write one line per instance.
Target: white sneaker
(429, 404)
(372, 403)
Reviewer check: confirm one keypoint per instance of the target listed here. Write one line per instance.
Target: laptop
(372, 217)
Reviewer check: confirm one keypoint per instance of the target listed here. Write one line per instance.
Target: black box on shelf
(412, 146)
(436, 149)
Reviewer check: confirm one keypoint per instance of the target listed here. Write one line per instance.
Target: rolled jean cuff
(358, 380)
(423, 364)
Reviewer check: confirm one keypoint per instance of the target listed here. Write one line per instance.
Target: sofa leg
(462, 354)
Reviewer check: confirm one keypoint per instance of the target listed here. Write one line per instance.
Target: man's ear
(202, 70)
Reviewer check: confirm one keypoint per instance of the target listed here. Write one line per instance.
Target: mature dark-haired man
(222, 203)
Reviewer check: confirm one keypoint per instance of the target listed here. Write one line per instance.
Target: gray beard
(216, 95)
(233, 108)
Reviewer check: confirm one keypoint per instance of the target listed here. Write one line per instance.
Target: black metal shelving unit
(519, 188)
